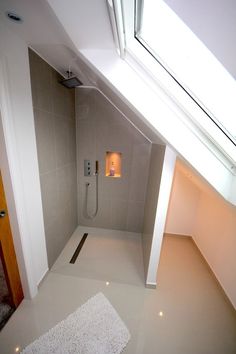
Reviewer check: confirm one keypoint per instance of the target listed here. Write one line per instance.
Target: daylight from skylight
(173, 44)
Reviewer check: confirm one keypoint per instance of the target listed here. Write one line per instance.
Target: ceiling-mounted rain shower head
(71, 81)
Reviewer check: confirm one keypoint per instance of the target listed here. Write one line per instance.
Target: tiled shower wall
(54, 113)
(102, 128)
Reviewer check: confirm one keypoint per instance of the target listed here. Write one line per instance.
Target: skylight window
(192, 64)
(169, 53)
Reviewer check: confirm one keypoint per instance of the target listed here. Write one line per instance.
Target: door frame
(7, 253)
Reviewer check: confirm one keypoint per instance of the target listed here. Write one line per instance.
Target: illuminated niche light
(160, 314)
(107, 283)
(113, 164)
(17, 349)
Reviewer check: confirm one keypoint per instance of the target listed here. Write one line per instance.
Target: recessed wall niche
(113, 164)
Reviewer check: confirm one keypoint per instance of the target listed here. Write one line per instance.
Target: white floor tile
(186, 314)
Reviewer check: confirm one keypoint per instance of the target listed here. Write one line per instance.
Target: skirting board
(214, 276)
(177, 235)
(151, 286)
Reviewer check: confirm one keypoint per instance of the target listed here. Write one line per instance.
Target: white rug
(94, 328)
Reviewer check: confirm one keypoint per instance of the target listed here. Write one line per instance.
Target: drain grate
(78, 249)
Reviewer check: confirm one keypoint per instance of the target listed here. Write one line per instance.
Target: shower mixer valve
(87, 168)
(87, 172)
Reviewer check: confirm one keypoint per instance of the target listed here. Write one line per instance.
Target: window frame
(165, 85)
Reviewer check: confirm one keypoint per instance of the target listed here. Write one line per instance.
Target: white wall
(161, 172)
(20, 161)
(94, 29)
(8, 188)
(153, 186)
(215, 236)
(183, 205)
(197, 210)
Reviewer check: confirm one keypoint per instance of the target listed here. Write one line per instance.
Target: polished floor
(186, 314)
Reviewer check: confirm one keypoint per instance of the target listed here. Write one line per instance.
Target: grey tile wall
(102, 128)
(54, 113)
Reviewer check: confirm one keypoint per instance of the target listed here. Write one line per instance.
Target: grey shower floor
(108, 255)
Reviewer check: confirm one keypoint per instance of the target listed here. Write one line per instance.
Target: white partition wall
(161, 172)
(19, 161)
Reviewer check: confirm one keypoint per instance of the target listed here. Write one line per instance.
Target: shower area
(94, 169)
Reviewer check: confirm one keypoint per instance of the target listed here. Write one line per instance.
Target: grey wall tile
(135, 216)
(49, 196)
(45, 140)
(54, 108)
(119, 210)
(103, 218)
(72, 142)
(64, 192)
(139, 172)
(52, 244)
(101, 128)
(43, 99)
(61, 140)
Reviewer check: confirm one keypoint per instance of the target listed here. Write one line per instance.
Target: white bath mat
(94, 328)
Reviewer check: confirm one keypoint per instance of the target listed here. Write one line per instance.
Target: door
(7, 251)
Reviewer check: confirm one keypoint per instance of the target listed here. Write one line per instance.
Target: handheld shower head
(96, 167)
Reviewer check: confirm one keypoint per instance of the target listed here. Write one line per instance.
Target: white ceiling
(88, 21)
(43, 32)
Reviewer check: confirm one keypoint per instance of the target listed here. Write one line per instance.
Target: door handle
(2, 213)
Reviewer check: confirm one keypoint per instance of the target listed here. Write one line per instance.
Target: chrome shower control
(87, 168)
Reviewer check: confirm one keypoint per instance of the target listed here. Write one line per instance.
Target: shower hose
(87, 215)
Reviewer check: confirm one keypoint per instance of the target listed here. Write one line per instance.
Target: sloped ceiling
(42, 31)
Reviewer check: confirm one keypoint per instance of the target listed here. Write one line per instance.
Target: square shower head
(71, 82)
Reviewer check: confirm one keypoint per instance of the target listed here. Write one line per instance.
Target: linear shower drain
(78, 249)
